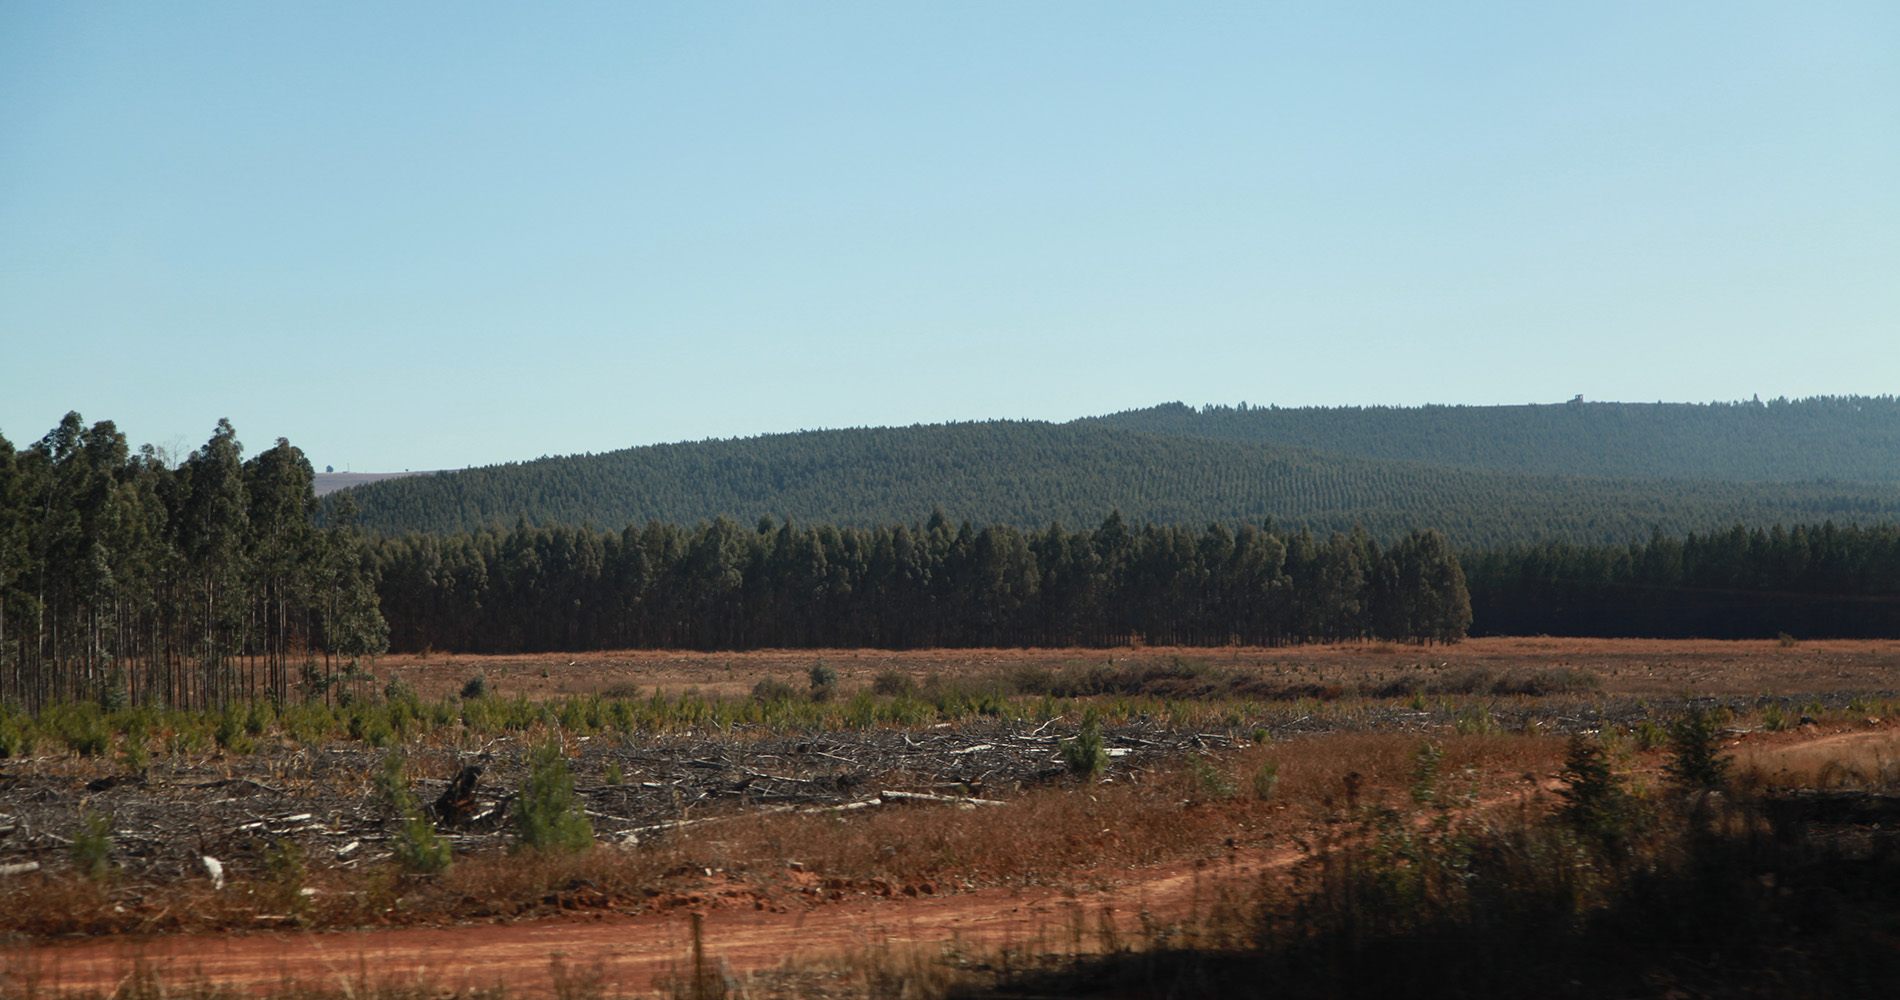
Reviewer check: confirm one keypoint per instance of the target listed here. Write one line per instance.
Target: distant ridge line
(329, 482)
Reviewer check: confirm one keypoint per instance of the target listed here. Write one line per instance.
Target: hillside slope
(1841, 438)
(1030, 473)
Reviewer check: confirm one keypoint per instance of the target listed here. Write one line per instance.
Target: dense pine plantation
(127, 580)
(724, 586)
(1807, 581)
(1838, 438)
(1029, 474)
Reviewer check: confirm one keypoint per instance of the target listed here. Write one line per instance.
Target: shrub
(311, 679)
(80, 726)
(546, 815)
(229, 730)
(824, 681)
(133, 755)
(1086, 753)
(894, 683)
(1266, 780)
(400, 690)
(1213, 780)
(1595, 802)
(115, 696)
(1422, 783)
(1475, 721)
(392, 787)
(284, 860)
(15, 738)
(92, 846)
(771, 689)
(1695, 760)
(416, 847)
(476, 686)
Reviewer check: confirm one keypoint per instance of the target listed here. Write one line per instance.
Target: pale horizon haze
(423, 236)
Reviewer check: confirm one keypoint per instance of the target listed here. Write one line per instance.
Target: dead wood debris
(237, 808)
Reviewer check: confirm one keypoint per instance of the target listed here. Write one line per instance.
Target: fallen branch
(956, 800)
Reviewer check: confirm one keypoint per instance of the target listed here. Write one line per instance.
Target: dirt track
(630, 953)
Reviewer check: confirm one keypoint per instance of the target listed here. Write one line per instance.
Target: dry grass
(1632, 667)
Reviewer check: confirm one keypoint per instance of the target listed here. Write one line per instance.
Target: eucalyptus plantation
(125, 579)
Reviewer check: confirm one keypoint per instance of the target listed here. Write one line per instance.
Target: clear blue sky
(429, 236)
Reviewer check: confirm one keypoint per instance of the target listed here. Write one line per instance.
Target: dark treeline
(1807, 581)
(1028, 474)
(1840, 438)
(124, 578)
(722, 585)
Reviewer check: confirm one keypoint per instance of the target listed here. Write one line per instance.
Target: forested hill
(1839, 438)
(1029, 474)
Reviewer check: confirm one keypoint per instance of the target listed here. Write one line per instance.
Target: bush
(416, 847)
(115, 696)
(1212, 779)
(133, 755)
(284, 860)
(547, 816)
(893, 683)
(1695, 760)
(229, 730)
(475, 687)
(92, 846)
(15, 738)
(824, 681)
(400, 690)
(1087, 753)
(1266, 780)
(1423, 781)
(80, 726)
(772, 689)
(1595, 803)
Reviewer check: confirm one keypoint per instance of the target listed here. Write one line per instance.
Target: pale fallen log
(955, 800)
(20, 868)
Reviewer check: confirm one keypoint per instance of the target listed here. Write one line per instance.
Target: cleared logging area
(768, 805)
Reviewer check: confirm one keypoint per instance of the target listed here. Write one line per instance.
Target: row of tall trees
(124, 576)
(721, 585)
(1806, 581)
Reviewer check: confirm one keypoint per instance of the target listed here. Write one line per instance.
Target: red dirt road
(629, 953)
